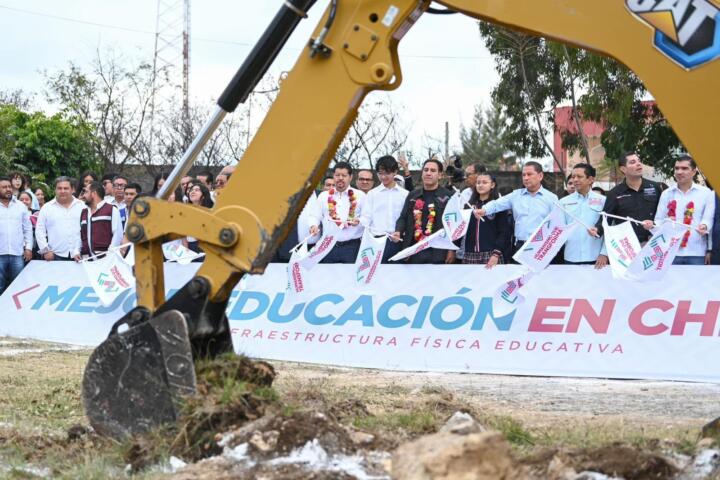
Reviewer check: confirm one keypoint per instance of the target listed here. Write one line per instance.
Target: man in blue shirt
(529, 205)
(583, 204)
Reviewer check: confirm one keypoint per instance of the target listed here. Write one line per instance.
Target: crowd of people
(88, 217)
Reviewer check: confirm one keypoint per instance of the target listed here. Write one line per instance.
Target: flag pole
(558, 204)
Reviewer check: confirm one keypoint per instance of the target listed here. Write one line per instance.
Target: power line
(202, 39)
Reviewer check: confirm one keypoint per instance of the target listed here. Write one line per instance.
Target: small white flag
(175, 251)
(508, 296)
(622, 247)
(369, 258)
(655, 258)
(438, 240)
(546, 241)
(323, 246)
(455, 218)
(295, 279)
(109, 276)
(130, 256)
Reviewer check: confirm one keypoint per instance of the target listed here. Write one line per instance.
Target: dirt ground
(39, 399)
(536, 401)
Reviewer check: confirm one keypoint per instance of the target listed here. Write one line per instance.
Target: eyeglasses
(119, 185)
(365, 179)
(195, 189)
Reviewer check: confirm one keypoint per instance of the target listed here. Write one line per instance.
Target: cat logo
(687, 31)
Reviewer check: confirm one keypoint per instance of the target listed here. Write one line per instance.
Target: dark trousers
(343, 252)
(391, 248)
(579, 263)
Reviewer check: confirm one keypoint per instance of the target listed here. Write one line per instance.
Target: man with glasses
(384, 203)
(365, 180)
(119, 184)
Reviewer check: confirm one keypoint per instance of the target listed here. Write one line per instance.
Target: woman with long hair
(40, 195)
(85, 179)
(486, 240)
(198, 195)
(26, 199)
(158, 182)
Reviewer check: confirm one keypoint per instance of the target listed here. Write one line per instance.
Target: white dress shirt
(382, 208)
(309, 214)
(116, 225)
(704, 201)
(58, 228)
(15, 228)
(347, 232)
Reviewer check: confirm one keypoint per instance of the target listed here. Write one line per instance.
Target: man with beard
(421, 215)
(100, 223)
(342, 206)
(16, 240)
(635, 197)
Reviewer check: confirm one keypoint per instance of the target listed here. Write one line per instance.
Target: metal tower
(171, 61)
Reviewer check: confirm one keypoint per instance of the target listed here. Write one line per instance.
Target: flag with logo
(655, 258)
(622, 247)
(546, 241)
(175, 251)
(508, 296)
(369, 258)
(438, 240)
(295, 279)
(455, 218)
(109, 276)
(323, 246)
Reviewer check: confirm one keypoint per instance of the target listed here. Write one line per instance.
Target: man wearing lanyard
(384, 204)
(583, 204)
(529, 205)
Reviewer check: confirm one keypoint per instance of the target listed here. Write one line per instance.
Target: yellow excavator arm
(352, 52)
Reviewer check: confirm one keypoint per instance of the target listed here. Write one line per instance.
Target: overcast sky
(446, 68)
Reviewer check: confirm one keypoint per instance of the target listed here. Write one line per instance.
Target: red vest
(100, 235)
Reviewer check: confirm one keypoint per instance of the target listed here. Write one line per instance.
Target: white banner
(546, 241)
(575, 320)
(296, 283)
(622, 247)
(109, 276)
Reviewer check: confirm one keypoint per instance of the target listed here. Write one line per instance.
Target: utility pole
(447, 140)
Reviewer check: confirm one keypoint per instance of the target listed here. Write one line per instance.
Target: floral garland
(687, 218)
(417, 213)
(332, 206)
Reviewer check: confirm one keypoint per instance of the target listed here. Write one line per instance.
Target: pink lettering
(599, 322)
(636, 317)
(541, 313)
(707, 319)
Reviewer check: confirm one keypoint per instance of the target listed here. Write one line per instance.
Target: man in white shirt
(384, 203)
(691, 204)
(57, 230)
(343, 207)
(15, 235)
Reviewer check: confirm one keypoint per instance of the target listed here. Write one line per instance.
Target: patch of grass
(512, 429)
(411, 423)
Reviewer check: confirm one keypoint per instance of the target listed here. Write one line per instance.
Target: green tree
(484, 141)
(536, 75)
(52, 146)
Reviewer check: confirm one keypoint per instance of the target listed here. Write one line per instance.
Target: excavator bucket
(136, 379)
